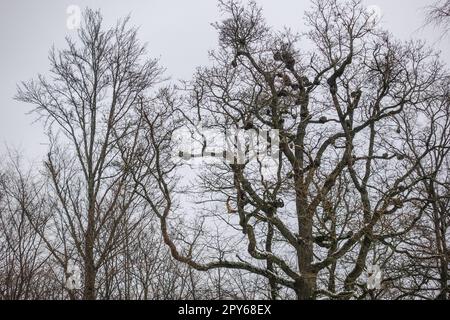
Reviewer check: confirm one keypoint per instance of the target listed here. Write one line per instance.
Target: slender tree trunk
(273, 287)
(89, 275)
(89, 265)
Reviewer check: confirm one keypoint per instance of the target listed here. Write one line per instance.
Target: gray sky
(177, 31)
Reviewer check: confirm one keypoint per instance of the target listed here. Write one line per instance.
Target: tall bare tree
(335, 94)
(90, 99)
(352, 175)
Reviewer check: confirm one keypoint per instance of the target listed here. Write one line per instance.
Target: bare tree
(339, 183)
(438, 14)
(26, 265)
(426, 245)
(91, 97)
(331, 158)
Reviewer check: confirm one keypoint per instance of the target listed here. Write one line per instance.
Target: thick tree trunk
(306, 285)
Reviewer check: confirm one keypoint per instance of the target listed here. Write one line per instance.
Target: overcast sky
(177, 31)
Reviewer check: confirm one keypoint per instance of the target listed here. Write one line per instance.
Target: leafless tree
(90, 99)
(355, 174)
(26, 265)
(341, 182)
(438, 14)
(426, 245)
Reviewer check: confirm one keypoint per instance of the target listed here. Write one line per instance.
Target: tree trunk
(89, 265)
(89, 276)
(305, 286)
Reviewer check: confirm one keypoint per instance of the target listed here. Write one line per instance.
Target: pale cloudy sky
(177, 31)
